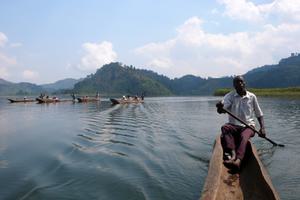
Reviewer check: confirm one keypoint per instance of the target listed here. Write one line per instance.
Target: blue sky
(42, 41)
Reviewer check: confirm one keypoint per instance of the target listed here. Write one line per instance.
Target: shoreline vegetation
(266, 92)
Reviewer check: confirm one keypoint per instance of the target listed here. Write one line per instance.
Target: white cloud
(15, 45)
(3, 39)
(287, 10)
(161, 63)
(191, 32)
(30, 75)
(3, 72)
(194, 51)
(242, 9)
(156, 55)
(281, 10)
(5, 61)
(96, 55)
(214, 11)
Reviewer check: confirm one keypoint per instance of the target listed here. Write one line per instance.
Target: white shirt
(243, 107)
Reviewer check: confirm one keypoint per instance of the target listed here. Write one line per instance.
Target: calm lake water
(156, 150)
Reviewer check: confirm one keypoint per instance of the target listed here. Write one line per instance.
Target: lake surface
(156, 150)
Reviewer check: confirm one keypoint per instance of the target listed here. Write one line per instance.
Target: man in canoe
(235, 135)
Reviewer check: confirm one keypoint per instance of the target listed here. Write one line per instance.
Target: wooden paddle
(253, 129)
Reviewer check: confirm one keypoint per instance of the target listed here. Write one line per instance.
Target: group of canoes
(83, 99)
(40, 100)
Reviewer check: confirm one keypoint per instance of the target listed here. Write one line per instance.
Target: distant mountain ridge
(121, 80)
(2, 81)
(285, 74)
(67, 83)
(24, 88)
(116, 79)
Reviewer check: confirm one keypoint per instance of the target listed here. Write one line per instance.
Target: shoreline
(265, 92)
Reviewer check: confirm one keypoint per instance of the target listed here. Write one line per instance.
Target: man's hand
(262, 132)
(220, 106)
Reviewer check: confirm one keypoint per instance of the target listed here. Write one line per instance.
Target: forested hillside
(118, 79)
(285, 74)
(115, 79)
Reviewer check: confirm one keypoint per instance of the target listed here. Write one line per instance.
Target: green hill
(187, 85)
(9, 88)
(285, 74)
(115, 79)
(67, 83)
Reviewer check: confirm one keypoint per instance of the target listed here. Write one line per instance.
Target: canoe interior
(252, 182)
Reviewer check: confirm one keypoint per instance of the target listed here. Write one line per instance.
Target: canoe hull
(40, 100)
(83, 100)
(45, 100)
(21, 100)
(252, 182)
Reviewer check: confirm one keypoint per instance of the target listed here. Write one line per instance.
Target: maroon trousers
(235, 137)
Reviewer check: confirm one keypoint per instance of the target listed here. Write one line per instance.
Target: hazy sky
(42, 41)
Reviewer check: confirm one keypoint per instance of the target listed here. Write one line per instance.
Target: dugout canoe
(87, 99)
(21, 100)
(251, 182)
(49, 100)
(127, 101)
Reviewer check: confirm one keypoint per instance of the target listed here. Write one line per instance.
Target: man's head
(239, 85)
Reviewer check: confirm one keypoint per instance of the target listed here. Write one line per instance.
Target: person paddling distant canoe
(235, 135)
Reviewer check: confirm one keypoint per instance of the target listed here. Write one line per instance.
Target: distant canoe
(21, 100)
(252, 182)
(49, 100)
(87, 99)
(127, 101)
